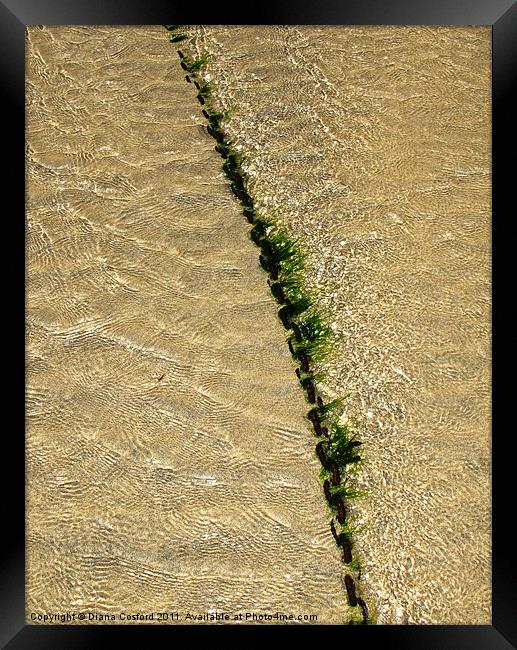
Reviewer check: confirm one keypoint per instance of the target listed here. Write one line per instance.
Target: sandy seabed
(169, 464)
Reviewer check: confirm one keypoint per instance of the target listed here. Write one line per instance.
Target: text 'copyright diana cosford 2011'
(170, 617)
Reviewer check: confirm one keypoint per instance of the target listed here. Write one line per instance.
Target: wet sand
(373, 146)
(169, 464)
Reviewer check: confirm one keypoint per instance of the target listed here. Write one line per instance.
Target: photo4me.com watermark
(169, 617)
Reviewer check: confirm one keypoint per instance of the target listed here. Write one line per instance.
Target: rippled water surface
(169, 464)
(373, 146)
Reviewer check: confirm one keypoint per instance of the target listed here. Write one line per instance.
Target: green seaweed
(205, 90)
(232, 165)
(195, 64)
(259, 232)
(350, 530)
(315, 377)
(355, 617)
(343, 445)
(330, 411)
(346, 493)
(315, 336)
(285, 254)
(215, 117)
(175, 35)
(176, 38)
(355, 565)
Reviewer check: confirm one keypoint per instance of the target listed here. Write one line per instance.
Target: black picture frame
(14, 16)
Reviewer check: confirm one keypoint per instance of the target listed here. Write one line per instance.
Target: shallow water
(372, 144)
(169, 464)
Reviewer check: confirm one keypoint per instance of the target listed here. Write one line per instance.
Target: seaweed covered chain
(308, 333)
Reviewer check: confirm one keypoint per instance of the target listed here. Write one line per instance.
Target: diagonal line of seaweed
(308, 333)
